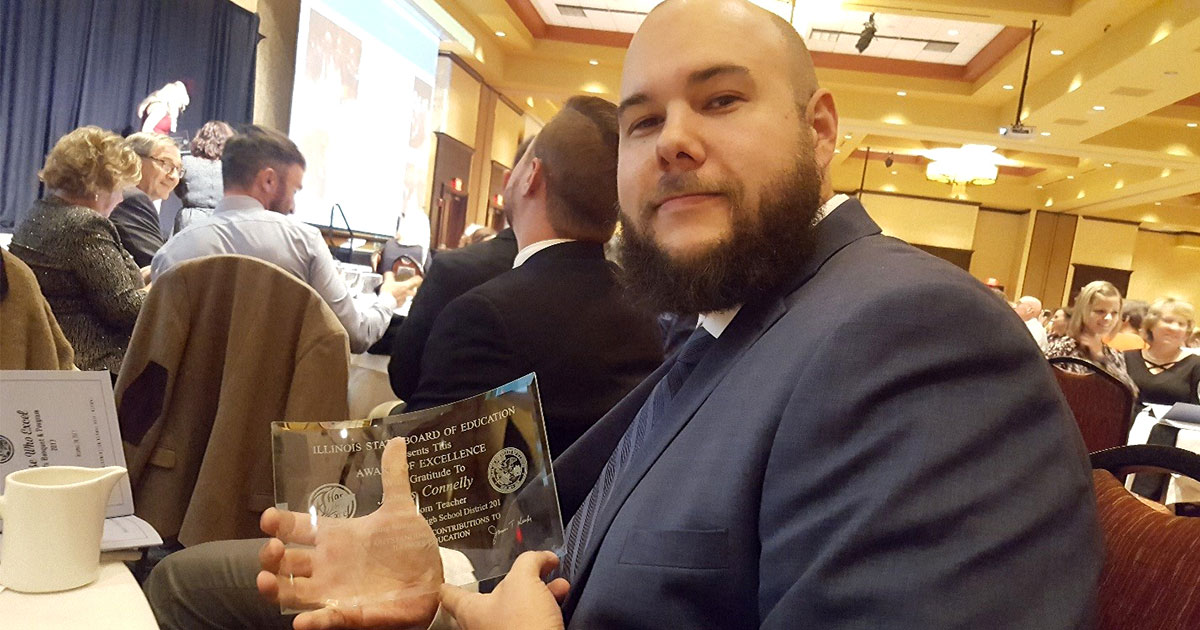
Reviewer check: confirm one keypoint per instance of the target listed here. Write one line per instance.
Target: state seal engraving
(333, 500)
(507, 470)
(6, 449)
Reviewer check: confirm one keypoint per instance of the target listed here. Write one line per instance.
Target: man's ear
(822, 115)
(535, 178)
(267, 180)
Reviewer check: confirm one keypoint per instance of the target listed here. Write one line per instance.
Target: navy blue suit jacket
(878, 444)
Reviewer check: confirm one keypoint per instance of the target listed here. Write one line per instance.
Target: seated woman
(92, 284)
(1097, 314)
(200, 186)
(1165, 372)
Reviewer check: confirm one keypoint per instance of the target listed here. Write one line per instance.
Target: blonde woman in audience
(1164, 371)
(1097, 314)
(92, 284)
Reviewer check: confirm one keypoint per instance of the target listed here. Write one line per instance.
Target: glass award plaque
(479, 474)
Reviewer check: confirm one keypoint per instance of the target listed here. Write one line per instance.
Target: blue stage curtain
(68, 63)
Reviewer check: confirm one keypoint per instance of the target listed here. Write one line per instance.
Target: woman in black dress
(1165, 372)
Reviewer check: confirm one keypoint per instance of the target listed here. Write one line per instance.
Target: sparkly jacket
(91, 282)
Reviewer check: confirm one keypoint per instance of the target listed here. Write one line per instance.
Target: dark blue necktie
(579, 528)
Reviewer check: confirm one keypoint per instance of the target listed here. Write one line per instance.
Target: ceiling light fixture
(1108, 165)
(593, 62)
(901, 93)
(1006, 87)
(868, 34)
(1039, 186)
(1056, 52)
(976, 164)
(1193, 125)
(500, 33)
(1045, 133)
(1097, 108)
(1070, 177)
(848, 136)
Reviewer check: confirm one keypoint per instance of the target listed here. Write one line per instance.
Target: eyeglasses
(168, 166)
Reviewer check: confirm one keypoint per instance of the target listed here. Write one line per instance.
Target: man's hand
(378, 571)
(522, 601)
(401, 290)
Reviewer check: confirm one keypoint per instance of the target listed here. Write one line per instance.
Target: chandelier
(977, 164)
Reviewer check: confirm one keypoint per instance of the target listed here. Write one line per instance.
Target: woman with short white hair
(1164, 371)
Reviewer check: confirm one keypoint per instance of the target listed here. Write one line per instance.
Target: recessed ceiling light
(848, 136)
(500, 33)
(1039, 187)
(837, 150)
(1056, 52)
(529, 101)
(1081, 195)
(1070, 177)
(1193, 125)
(1158, 203)
(893, 172)
(1049, 202)
(901, 93)
(1098, 108)
(1006, 86)
(1108, 165)
(1166, 172)
(953, 31)
(1045, 133)
(593, 62)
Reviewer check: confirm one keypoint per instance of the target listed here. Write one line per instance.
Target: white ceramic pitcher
(53, 520)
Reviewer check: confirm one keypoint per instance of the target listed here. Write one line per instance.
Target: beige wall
(924, 221)
(457, 104)
(1104, 244)
(1161, 268)
(999, 244)
(507, 131)
(279, 21)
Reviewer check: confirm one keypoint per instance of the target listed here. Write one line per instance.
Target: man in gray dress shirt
(262, 170)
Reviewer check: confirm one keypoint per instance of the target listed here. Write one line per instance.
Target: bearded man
(825, 451)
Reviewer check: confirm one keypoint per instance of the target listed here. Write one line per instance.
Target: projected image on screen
(361, 112)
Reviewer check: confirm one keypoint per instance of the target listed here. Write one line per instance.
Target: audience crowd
(819, 390)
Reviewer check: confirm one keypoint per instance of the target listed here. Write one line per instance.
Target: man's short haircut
(144, 143)
(252, 149)
(521, 149)
(1133, 313)
(578, 151)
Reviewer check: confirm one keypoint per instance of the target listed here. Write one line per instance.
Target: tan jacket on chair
(224, 346)
(30, 338)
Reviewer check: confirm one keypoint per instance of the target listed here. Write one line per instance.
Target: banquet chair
(1152, 560)
(224, 345)
(1101, 404)
(30, 338)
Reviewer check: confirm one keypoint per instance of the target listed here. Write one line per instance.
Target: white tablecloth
(1181, 489)
(113, 601)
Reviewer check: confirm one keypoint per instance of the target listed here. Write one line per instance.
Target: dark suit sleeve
(408, 345)
(927, 485)
(468, 352)
(137, 223)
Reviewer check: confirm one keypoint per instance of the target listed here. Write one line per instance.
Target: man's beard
(759, 255)
(278, 203)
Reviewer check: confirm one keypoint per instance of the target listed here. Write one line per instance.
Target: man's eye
(720, 102)
(644, 123)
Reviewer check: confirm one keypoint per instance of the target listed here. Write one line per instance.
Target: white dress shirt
(529, 250)
(240, 225)
(716, 322)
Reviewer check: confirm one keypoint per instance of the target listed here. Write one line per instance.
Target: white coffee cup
(53, 521)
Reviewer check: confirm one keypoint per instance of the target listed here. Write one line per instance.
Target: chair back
(1152, 560)
(224, 346)
(30, 338)
(1102, 404)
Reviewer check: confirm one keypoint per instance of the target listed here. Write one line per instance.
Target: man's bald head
(1028, 307)
(792, 49)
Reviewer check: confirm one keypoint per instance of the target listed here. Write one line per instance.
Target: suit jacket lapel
(846, 224)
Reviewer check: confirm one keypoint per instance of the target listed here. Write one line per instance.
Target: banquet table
(114, 601)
